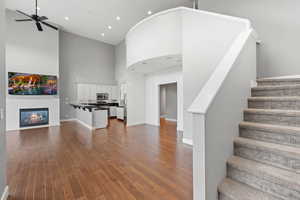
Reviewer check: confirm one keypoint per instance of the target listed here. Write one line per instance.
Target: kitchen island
(91, 114)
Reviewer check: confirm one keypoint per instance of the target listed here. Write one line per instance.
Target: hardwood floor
(71, 162)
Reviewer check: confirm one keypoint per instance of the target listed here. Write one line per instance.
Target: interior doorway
(168, 104)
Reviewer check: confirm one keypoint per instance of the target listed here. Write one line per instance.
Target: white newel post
(199, 156)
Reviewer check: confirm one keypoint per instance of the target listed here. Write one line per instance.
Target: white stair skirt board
(283, 77)
(5, 193)
(187, 141)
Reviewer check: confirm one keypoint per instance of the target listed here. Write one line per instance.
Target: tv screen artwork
(31, 84)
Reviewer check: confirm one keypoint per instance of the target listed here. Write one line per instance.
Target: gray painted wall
(2, 99)
(162, 100)
(82, 60)
(277, 24)
(168, 101)
(121, 73)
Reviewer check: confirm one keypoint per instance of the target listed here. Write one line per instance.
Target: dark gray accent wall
(277, 24)
(2, 100)
(82, 60)
(171, 101)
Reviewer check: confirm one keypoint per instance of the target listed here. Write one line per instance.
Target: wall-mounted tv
(31, 84)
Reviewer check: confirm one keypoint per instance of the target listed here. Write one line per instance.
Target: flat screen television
(31, 84)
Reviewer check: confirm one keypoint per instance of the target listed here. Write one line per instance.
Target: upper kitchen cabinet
(89, 91)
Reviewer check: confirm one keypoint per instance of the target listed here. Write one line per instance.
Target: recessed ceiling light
(103, 34)
(38, 8)
(67, 18)
(118, 18)
(149, 12)
(109, 27)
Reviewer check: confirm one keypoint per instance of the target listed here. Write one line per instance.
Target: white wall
(2, 100)
(30, 51)
(152, 104)
(135, 99)
(133, 84)
(277, 25)
(206, 39)
(156, 36)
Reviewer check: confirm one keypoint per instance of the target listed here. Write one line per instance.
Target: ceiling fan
(39, 20)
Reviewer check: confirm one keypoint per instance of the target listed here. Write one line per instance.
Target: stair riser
(273, 119)
(267, 156)
(274, 83)
(265, 184)
(276, 92)
(281, 105)
(285, 138)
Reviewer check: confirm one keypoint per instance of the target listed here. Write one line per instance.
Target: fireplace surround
(31, 117)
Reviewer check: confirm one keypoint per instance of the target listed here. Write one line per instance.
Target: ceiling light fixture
(118, 18)
(103, 34)
(109, 27)
(149, 12)
(38, 8)
(67, 18)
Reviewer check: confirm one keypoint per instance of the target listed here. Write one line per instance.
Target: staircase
(266, 161)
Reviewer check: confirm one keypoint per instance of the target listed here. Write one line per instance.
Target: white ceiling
(90, 18)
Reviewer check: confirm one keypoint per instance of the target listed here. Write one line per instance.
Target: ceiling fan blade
(39, 26)
(24, 13)
(23, 20)
(43, 18)
(49, 25)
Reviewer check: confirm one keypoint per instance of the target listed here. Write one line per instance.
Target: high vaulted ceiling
(91, 18)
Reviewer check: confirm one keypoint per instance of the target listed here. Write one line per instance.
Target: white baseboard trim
(5, 193)
(67, 120)
(171, 120)
(187, 141)
(34, 127)
(136, 124)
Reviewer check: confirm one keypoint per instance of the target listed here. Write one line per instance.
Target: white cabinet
(120, 113)
(115, 93)
(89, 91)
(113, 111)
(100, 119)
(83, 92)
(92, 92)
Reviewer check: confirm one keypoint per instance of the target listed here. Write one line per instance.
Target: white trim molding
(138, 124)
(171, 120)
(67, 120)
(187, 141)
(5, 193)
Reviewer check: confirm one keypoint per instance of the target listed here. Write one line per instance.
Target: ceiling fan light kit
(39, 20)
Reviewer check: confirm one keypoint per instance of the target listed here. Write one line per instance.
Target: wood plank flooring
(118, 163)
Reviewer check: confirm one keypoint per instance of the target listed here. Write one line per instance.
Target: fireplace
(34, 117)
